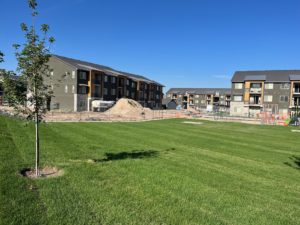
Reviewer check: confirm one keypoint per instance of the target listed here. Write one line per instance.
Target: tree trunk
(37, 146)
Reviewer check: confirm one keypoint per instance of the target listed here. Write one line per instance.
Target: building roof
(266, 75)
(200, 91)
(83, 65)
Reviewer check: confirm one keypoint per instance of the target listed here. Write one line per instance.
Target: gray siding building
(276, 91)
(77, 83)
(209, 99)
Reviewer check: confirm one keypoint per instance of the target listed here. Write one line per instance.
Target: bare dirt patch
(191, 122)
(46, 172)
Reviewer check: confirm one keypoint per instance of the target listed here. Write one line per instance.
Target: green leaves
(24, 27)
(44, 28)
(32, 4)
(32, 57)
(51, 40)
(1, 57)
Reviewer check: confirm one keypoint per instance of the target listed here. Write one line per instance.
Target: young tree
(1, 57)
(32, 58)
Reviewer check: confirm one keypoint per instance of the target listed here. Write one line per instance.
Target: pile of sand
(128, 108)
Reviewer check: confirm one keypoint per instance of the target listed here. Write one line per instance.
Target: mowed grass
(160, 172)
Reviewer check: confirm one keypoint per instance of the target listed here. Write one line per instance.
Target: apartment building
(256, 91)
(209, 99)
(77, 83)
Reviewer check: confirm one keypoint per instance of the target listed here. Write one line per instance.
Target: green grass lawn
(160, 172)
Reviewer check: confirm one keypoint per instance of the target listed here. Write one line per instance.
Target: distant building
(257, 91)
(77, 83)
(209, 99)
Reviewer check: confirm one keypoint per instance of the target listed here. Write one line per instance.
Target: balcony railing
(296, 90)
(255, 90)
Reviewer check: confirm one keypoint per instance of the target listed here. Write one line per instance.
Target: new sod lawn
(160, 172)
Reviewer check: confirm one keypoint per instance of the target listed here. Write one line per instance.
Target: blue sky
(180, 43)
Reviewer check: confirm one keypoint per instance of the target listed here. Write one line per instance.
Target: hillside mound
(128, 108)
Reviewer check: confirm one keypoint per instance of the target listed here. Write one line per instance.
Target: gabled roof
(200, 91)
(266, 75)
(83, 65)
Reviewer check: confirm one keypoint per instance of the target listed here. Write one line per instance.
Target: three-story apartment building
(210, 99)
(254, 91)
(77, 83)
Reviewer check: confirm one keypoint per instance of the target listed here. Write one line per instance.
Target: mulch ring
(46, 172)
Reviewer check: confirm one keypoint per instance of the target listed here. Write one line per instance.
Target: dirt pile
(128, 108)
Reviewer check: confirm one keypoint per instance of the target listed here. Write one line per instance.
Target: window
(133, 84)
(284, 86)
(127, 93)
(145, 95)
(146, 86)
(73, 89)
(202, 101)
(297, 88)
(51, 73)
(82, 75)
(197, 96)
(97, 78)
(82, 90)
(105, 91)
(196, 101)
(179, 96)
(284, 98)
(169, 95)
(127, 82)
(157, 96)
(255, 85)
(237, 98)
(132, 95)
(268, 98)
(73, 74)
(269, 86)
(238, 86)
(113, 80)
(66, 89)
(157, 88)
(97, 91)
(105, 78)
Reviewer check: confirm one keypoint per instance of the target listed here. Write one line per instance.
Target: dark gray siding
(276, 92)
(62, 78)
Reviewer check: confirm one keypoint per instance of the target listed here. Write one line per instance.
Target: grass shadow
(296, 162)
(128, 155)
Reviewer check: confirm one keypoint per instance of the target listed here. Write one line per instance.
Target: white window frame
(240, 98)
(284, 96)
(268, 98)
(238, 86)
(269, 86)
(285, 86)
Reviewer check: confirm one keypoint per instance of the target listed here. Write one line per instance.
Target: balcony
(296, 91)
(255, 90)
(96, 81)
